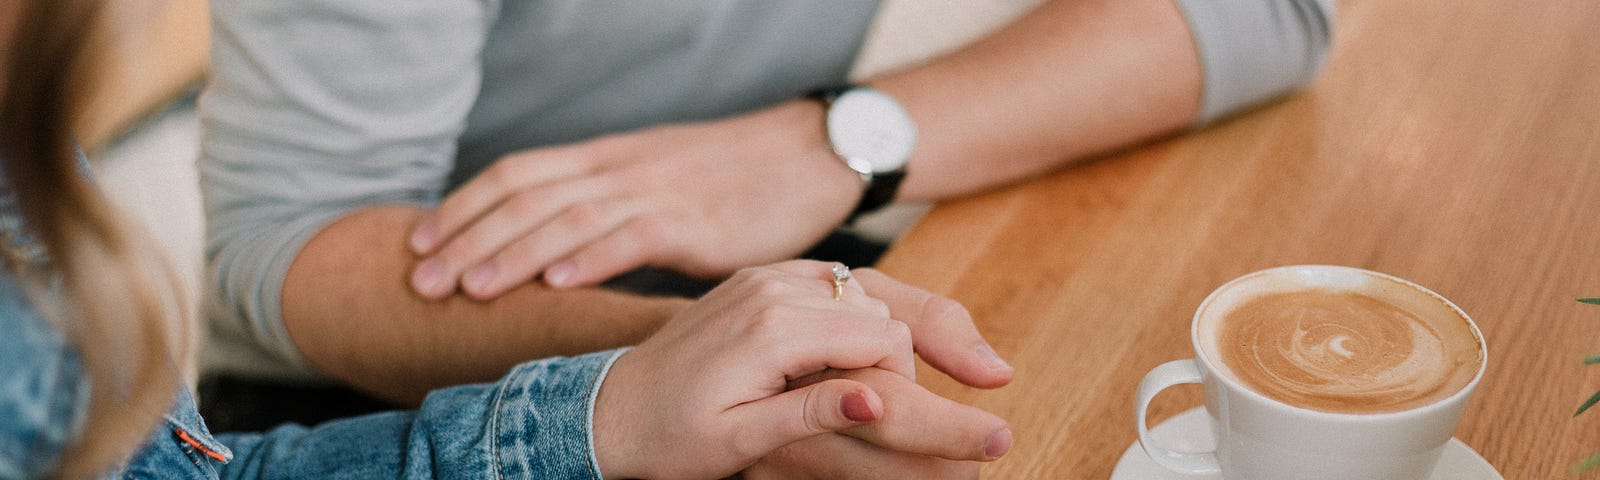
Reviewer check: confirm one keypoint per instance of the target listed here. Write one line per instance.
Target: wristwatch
(873, 135)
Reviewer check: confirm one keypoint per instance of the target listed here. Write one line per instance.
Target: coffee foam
(1339, 340)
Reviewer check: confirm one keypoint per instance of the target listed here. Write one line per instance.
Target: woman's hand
(704, 199)
(705, 396)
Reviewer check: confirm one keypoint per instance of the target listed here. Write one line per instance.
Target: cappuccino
(1321, 372)
(1349, 343)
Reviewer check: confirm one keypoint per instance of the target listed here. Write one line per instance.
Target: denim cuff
(594, 396)
(543, 417)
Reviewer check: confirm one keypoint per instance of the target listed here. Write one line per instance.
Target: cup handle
(1172, 373)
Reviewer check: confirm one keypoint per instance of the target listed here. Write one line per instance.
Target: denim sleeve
(533, 423)
(1253, 50)
(311, 110)
(43, 392)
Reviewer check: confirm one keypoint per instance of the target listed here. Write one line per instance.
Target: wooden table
(1455, 144)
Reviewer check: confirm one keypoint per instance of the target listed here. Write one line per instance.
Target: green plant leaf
(1587, 463)
(1594, 459)
(1588, 403)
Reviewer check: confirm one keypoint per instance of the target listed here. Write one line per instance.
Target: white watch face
(868, 127)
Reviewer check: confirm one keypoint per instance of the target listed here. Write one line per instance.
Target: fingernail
(558, 274)
(422, 238)
(999, 443)
(479, 277)
(992, 359)
(855, 407)
(428, 275)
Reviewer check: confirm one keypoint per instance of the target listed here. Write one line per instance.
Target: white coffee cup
(1262, 438)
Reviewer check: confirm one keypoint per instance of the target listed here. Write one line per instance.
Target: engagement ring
(841, 274)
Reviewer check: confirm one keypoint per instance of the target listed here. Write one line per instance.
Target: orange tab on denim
(195, 444)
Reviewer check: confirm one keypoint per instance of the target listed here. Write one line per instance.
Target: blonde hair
(117, 301)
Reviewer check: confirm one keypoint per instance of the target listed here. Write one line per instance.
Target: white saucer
(1189, 432)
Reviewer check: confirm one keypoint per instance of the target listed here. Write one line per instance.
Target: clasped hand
(758, 374)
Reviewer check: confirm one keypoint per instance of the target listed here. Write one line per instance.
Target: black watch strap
(879, 192)
(826, 95)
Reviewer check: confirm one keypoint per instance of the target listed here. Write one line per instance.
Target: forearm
(1071, 79)
(350, 313)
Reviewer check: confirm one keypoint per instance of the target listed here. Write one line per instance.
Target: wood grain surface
(1454, 144)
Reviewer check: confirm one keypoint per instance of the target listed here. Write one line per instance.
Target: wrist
(872, 134)
(664, 308)
(609, 429)
(836, 187)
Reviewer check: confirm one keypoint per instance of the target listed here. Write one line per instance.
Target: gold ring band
(841, 274)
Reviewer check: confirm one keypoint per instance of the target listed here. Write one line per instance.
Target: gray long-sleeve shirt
(315, 108)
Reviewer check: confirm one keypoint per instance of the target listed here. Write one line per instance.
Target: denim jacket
(532, 423)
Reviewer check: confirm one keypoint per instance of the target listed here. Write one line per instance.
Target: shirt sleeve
(534, 423)
(313, 109)
(1254, 50)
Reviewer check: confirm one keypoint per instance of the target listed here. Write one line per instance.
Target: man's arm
(316, 112)
(1075, 78)
(1071, 79)
(347, 307)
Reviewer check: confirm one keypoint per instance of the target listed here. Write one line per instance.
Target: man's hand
(942, 332)
(921, 435)
(704, 199)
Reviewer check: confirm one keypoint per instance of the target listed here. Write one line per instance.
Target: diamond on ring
(841, 274)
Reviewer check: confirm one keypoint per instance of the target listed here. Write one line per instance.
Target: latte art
(1342, 351)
